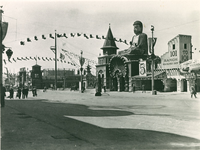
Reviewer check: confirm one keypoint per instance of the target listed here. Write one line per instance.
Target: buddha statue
(138, 45)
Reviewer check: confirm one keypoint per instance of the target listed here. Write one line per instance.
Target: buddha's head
(138, 27)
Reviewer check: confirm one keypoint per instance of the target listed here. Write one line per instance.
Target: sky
(27, 19)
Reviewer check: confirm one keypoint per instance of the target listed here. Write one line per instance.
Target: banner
(142, 68)
(4, 26)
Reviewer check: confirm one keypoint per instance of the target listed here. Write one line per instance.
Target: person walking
(3, 95)
(26, 92)
(23, 92)
(193, 91)
(143, 88)
(133, 88)
(11, 91)
(19, 92)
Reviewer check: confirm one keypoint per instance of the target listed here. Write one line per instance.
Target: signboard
(142, 68)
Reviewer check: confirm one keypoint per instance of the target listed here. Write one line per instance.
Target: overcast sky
(37, 18)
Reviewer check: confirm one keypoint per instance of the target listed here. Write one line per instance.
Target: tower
(109, 46)
(36, 75)
(109, 50)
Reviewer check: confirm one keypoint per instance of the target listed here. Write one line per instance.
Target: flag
(65, 35)
(125, 42)
(59, 35)
(43, 37)
(27, 58)
(18, 58)
(72, 35)
(35, 58)
(14, 60)
(28, 40)
(91, 36)
(62, 56)
(43, 59)
(35, 37)
(98, 37)
(103, 37)
(86, 36)
(51, 36)
(78, 34)
(47, 59)
(38, 58)
(4, 27)
(22, 43)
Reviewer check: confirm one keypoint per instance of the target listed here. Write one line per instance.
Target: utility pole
(55, 60)
(152, 59)
(1, 51)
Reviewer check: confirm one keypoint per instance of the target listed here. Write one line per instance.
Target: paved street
(59, 120)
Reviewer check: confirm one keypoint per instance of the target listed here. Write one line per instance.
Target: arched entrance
(118, 73)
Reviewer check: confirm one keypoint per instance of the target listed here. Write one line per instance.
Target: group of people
(22, 92)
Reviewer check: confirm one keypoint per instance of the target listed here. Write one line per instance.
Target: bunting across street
(87, 36)
(36, 58)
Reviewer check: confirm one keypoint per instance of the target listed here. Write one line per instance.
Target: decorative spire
(109, 41)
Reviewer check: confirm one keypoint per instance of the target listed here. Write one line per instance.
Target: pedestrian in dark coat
(11, 92)
(19, 92)
(133, 88)
(26, 92)
(3, 94)
(23, 92)
(193, 91)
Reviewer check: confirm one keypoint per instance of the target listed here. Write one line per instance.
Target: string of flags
(78, 57)
(36, 58)
(87, 36)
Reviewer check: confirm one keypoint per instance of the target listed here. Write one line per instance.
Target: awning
(157, 76)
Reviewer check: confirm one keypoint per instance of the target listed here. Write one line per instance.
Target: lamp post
(152, 63)
(81, 60)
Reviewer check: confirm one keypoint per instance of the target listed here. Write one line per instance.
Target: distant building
(36, 76)
(66, 78)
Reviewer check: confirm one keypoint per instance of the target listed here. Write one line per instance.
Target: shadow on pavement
(44, 127)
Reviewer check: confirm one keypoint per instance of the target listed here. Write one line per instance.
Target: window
(185, 46)
(173, 46)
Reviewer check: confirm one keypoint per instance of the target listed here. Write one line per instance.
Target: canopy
(190, 66)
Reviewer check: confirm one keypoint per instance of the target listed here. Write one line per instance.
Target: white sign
(142, 68)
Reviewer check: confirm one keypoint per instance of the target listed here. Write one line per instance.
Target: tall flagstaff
(55, 60)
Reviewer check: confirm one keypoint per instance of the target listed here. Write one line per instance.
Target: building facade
(119, 71)
(115, 70)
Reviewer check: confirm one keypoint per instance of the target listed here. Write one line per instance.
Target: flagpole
(55, 60)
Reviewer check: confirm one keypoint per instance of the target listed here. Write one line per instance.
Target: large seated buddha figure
(138, 45)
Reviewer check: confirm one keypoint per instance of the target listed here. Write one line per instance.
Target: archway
(118, 72)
